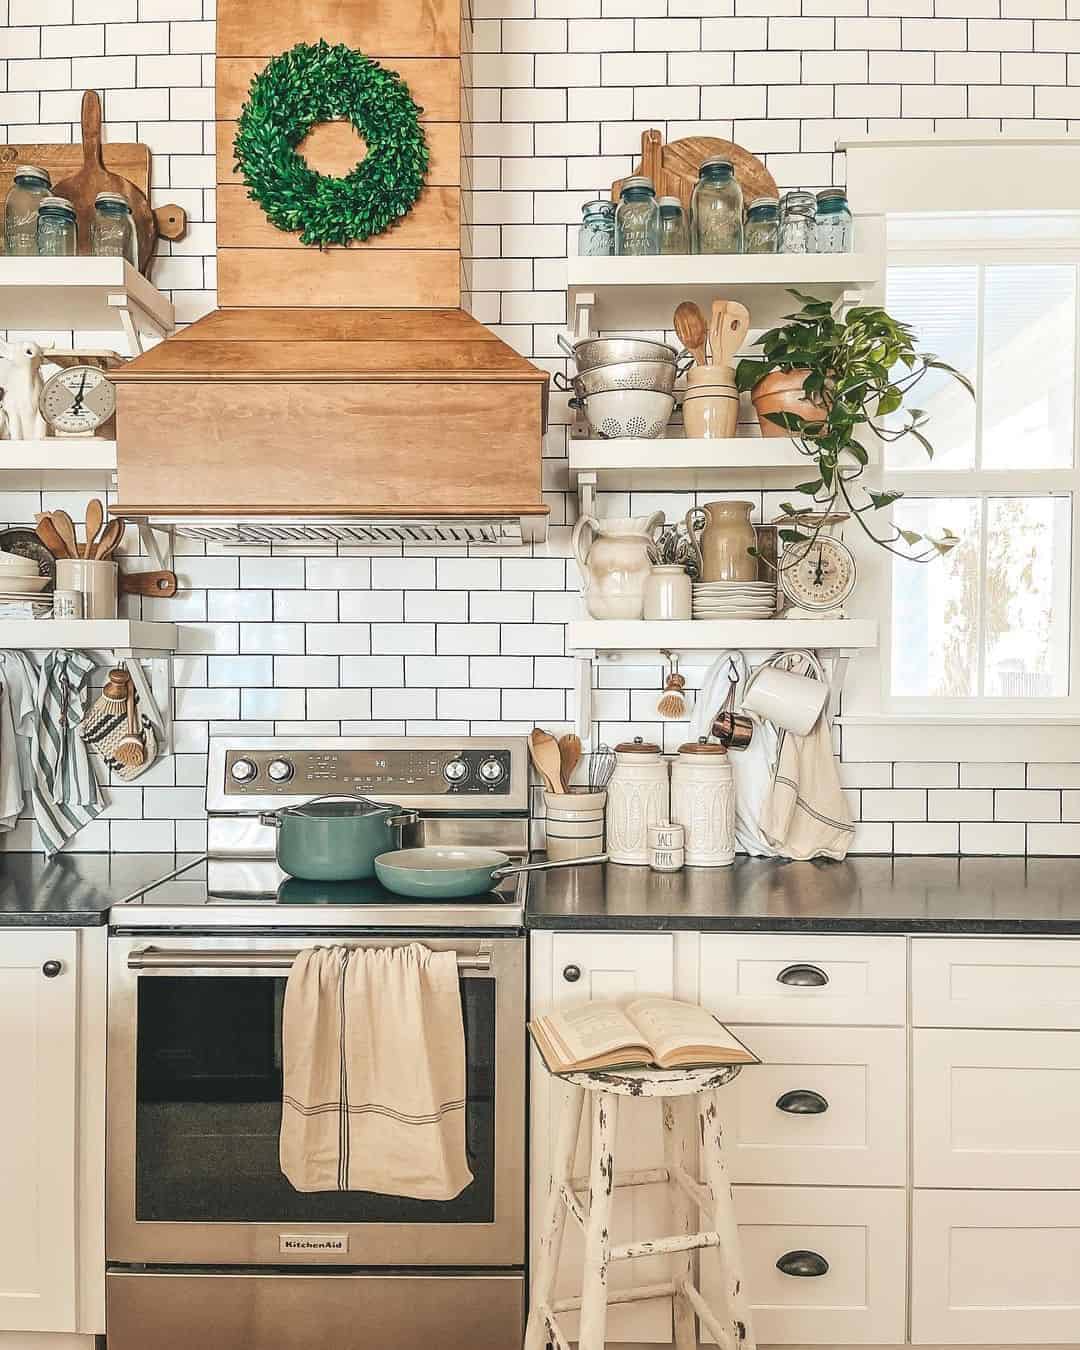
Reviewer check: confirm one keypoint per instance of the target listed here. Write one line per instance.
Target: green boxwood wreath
(313, 83)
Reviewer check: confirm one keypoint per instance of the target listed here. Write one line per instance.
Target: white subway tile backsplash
(961, 804)
(907, 775)
(982, 837)
(1040, 805)
(894, 804)
(925, 837)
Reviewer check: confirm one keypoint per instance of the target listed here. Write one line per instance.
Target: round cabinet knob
(455, 771)
(51, 969)
(491, 770)
(279, 771)
(571, 974)
(243, 770)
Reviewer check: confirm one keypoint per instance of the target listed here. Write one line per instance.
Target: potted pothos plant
(829, 382)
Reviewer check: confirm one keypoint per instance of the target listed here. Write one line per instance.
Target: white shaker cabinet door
(38, 1032)
(574, 967)
(996, 982)
(995, 1268)
(997, 1109)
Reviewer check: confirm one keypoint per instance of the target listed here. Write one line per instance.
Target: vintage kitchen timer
(816, 576)
(80, 398)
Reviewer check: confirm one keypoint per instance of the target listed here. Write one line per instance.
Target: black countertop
(74, 890)
(863, 895)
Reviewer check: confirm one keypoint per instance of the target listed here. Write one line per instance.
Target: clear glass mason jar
(637, 220)
(762, 225)
(57, 228)
(29, 188)
(798, 225)
(112, 231)
(596, 233)
(835, 227)
(716, 209)
(674, 231)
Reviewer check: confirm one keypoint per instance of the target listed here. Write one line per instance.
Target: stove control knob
(455, 771)
(243, 770)
(492, 771)
(279, 771)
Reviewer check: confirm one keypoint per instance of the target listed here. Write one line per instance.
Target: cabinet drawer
(804, 978)
(996, 982)
(859, 1234)
(611, 965)
(827, 1106)
(997, 1109)
(995, 1268)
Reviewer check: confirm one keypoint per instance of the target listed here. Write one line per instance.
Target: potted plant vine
(829, 382)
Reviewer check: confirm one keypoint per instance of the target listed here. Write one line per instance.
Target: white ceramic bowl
(621, 413)
(17, 585)
(11, 563)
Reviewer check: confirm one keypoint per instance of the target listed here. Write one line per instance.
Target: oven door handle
(158, 958)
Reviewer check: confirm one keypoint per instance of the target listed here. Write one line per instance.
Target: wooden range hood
(344, 393)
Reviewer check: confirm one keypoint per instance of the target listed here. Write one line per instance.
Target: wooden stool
(690, 1113)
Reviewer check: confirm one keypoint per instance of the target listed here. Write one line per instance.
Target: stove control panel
(396, 774)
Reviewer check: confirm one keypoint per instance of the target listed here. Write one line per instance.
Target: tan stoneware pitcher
(613, 557)
(723, 542)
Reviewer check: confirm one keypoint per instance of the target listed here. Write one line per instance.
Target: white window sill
(1039, 738)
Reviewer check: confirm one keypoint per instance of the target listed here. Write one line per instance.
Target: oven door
(194, 1111)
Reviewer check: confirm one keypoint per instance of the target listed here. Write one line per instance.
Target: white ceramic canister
(638, 798)
(669, 593)
(575, 824)
(703, 802)
(666, 847)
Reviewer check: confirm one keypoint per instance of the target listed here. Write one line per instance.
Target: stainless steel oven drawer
(287, 1311)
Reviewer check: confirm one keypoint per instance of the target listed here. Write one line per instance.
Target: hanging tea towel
(65, 791)
(18, 679)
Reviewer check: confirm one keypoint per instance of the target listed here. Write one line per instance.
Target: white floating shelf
(680, 463)
(716, 634)
(121, 636)
(93, 295)
(642, 293)
(58, 454)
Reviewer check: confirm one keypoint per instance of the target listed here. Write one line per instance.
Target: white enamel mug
(789, 700)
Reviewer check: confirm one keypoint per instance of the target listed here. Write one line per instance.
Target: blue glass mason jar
(834, 225)
(112, 230)
(596, 233)
(28, 190)
(637, 220)
(716, 209)
(762, 225)
(674, 231)
(798, 227)
(57, 228)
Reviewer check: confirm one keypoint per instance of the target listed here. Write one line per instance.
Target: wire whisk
(599, 766)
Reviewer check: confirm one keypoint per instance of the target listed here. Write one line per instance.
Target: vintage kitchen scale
(816, 576)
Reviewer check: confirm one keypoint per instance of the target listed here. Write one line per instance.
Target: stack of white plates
(734, 599)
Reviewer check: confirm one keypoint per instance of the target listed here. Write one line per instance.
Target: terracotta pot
(782, 391)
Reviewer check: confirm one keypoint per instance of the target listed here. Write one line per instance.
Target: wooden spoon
(544, 750)
(690, 329)
(569, 754)
(733, 332)
(109, 540)
(95, 515)
(65, 528)
(46, 531)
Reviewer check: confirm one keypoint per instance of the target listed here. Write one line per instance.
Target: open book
(647, 1033)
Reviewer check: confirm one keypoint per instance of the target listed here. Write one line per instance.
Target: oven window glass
(208, 1111)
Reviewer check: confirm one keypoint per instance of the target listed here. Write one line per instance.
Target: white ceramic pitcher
(613, 557)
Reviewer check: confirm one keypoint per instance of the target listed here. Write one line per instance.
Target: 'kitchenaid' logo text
(314, 1242)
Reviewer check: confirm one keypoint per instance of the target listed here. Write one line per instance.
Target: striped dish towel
(373, 1049)
(65, 791)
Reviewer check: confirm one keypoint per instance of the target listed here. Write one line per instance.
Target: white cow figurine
(20, 376)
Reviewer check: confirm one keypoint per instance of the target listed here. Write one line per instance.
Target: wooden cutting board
(674, 167)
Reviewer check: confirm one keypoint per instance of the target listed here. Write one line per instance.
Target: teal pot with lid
(336, 838)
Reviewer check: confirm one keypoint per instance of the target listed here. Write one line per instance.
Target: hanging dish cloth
(125, 725)
(373, 1067)
(65, 790)
(18, 687)
(806, 814)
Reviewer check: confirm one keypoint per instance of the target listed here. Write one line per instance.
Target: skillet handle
(513, 869)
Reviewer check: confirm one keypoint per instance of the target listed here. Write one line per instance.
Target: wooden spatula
(716, 330)
(569, 754)
(49, 535)
(81, 188)
(65, 528)
(690, 330)
(732, 333)
(544, 750)
(109, 540)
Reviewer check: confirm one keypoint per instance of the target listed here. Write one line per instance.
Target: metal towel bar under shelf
(154, 958)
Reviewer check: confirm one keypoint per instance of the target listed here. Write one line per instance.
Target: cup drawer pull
(802, 1102)
(802, 1264)
(803, 976)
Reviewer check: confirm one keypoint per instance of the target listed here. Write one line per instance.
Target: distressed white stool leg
(734, 1307)
(680, 1150)
(605, 1116)
(549, 1245)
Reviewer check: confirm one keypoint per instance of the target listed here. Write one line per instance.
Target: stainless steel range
(205, 1237)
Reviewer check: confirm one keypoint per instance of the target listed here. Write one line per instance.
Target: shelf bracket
(586, 489)
(583, 699)
(584, 304)
(157, 543)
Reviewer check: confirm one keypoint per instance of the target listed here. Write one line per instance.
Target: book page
(667, 1026)
(591, 1029)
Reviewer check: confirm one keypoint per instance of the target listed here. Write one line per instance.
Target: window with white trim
(991, 626)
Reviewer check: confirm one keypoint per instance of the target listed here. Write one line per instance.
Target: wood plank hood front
(347, 383)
